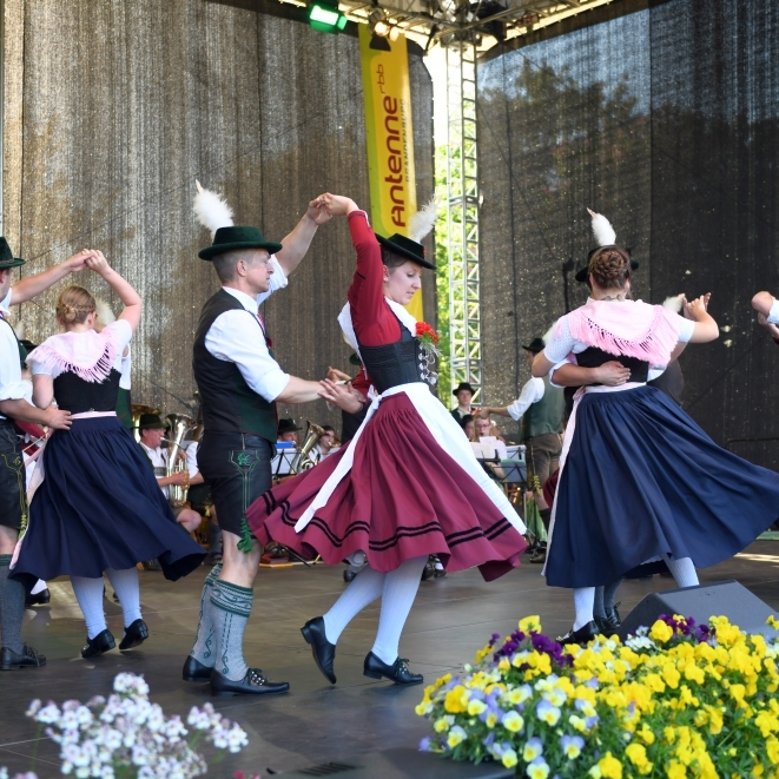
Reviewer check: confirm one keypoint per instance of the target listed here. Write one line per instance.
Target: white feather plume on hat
(422, 222)
(602, 230)
(211, 209)
(105, 314)
(675, 303)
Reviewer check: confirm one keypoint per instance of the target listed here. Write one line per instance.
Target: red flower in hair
(427, 334)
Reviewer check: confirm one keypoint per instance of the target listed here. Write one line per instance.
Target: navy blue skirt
(100, 507)
(642, 479)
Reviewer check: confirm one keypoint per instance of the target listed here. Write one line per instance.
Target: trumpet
(302, 460)
(179, 425)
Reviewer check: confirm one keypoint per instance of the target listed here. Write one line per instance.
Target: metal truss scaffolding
(463, 216)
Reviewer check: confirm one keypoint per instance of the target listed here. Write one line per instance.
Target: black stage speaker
(720, 599)
(402, 764)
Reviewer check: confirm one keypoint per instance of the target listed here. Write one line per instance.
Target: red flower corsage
(427, 334)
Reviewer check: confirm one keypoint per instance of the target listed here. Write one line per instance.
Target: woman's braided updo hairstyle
(610, 267)
(74, 305)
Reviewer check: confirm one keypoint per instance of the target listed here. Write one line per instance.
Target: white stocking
(127, 589)
(360, 592)
(683, 571)
(583, 602)
(89, 594)
(397, 598)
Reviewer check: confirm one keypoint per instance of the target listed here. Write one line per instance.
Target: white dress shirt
(531, 392)
(233, 338)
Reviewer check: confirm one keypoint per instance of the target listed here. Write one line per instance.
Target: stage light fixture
(382, 25)
(324, 16)
(377, 20)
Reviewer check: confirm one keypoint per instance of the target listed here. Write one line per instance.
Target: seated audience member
(152, 430)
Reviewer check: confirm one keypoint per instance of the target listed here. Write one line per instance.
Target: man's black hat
(287, 426)
(7, 259)
(463, 385)
(150, 422)
(226, 239)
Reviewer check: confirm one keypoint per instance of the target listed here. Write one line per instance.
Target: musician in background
(325, 445)
(152, 431)
(287, 432)
(541, 407)
(239, 384)
(486, 428)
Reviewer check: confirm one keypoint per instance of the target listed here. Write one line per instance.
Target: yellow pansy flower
(456, 700)
(509, 758)
(610, 767)
(660, 632)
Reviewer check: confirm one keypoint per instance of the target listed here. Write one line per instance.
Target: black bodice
(592, 358)
(77, 395)
(392, 364)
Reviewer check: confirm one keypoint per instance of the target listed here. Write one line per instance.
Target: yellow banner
(390, 138)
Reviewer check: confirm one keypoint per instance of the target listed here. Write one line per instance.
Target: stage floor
(315, 724)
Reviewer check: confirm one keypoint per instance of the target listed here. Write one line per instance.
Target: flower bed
(677, 700)
(126, 736)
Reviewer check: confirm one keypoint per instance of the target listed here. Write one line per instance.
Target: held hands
(338, 376)
(76, 262)
(97, 262)
(92, 259)
(335, 205)
(317, 212)
(341, 395)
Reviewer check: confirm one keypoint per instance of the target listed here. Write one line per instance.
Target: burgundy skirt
(404, 497)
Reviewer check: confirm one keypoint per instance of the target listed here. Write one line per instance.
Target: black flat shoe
(324, 652)
(397, 672)
(254, 683)
(102, 642)
(27, 658)
(39, 599)
(136, 634)
(583, 635)
(608, 626)
(195, 671)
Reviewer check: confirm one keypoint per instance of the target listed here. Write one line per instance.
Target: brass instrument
(137, 410)
(302, 460)
(178, 426)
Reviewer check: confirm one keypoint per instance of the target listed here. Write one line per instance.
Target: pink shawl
(630, 327)
(89, 355)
